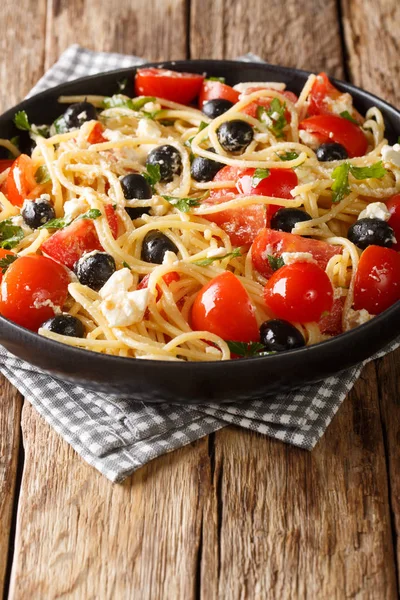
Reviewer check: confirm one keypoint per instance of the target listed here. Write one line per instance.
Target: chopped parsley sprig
(10, 234)
(205, 262)
(6, 262)
(247, 350)
(273, 116)
(340, 175)
(182, 204)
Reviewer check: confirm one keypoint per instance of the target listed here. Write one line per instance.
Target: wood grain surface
(235, 515)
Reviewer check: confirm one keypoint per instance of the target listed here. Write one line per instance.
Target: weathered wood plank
(20, 67)
(295, 524)
(79, 536)
(297, 34)
(10, 440)
(153, 29)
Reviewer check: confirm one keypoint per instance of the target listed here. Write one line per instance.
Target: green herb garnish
(21, 121)
(275, 262)
(93, 213)
(58, 223)
(220, 79)
(42, 175)
(346, 115)
(202, 126)
(340, 175)
(6, 262)
(138, 103)
(153, 175)
(125, 264)
(60, 125)
(248, 349)
(118, 101)
(10, 235)
(182, 204)
(208, 261)
(291, 155)
(274, 116)
(259, 175)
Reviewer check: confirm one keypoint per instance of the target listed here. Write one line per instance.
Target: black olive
(135, 186)
(205, 169)
(286, 218)
(154, 247)
(215, 108)
(368, 232)
(37, 212)
(65, 324)
(78, 114)
(169, 160)
(278, 335)
(135, 212)
(235, 136)
(331, 151)
(26, 144)
(94, 269)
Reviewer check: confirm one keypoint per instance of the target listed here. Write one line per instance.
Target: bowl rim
(347, 338)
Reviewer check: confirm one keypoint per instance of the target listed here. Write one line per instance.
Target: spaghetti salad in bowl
(197, 221)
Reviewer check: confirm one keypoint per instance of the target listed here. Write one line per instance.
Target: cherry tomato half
(274, 243)
(323, 97)
(67, 245)
(5, 163)
(170, 85)
(211, 90)
(224, 307)
(251, 109)
(168, 278)
(20, 180)
(393, 205)
(377, 281)
(299, 292)
(332, 128)
(33, 288)
(96, 135)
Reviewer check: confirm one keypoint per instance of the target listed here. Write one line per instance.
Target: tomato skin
(67, 245)
(212, 90)
(251, 109)
(243, 224)
(393, 205)
(223, 307)
(20, 180)
(3, 254)
(96, 135)
(337, 129)
(5, 163)
(170, 85)
(322, 92)
(278, 242)
(32, 285)
(299, 292)
(331, 324)
(377, 280)
(168, 278)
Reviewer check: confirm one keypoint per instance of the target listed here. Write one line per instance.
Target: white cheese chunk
(17, 179)
(120, 281)
(391, 154)
(343, 103)
(214, 252)
(18, 221)
(125, 308)
(170, 259)
(358, 317)
(75, 207)
(148, 129)
(309, 139)
(291, 257)
(375, 210)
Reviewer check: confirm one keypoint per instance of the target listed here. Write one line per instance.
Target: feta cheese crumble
(375, 210)
(292, 257)
(75, 207)
(392, 154)
(125, 308)
(148, 128)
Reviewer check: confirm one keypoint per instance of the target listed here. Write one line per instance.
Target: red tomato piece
(331, 323)
(251, 109)
(243, 224)
(20, 180)
(223, 307)
(96, 135)
(67, 245)
(3, 254)
(33, 288)
(322, 97)
(168, 278)
(299, 292)
(274, 243)
(212, 90)
(377, 281)
(170, 85)
(393, 205)
(332, 128)
(5, 163)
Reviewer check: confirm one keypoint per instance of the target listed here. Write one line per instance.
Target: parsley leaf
(140, 102)
(42, 175)
(153, 175)
(259, 175)
(376, 171)
(220, 79)
(274, 116)
(202, 126)
(10, 235)
(291, 155)
(125, 264)
(346, 115)
(93, 213)
(60, 125)
(118, 101)
(340, 175)
(205, 262)
(6, 262)
(182, 204)
(275, 262)
(21, 121)
(58, 223)
(248, 349)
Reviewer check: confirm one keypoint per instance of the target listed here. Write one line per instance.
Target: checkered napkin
(117, 437)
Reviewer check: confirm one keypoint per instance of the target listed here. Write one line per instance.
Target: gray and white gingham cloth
(117, 437)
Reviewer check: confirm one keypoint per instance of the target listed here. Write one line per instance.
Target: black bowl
(233, 381)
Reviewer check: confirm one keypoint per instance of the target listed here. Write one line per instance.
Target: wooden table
(236, 515)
